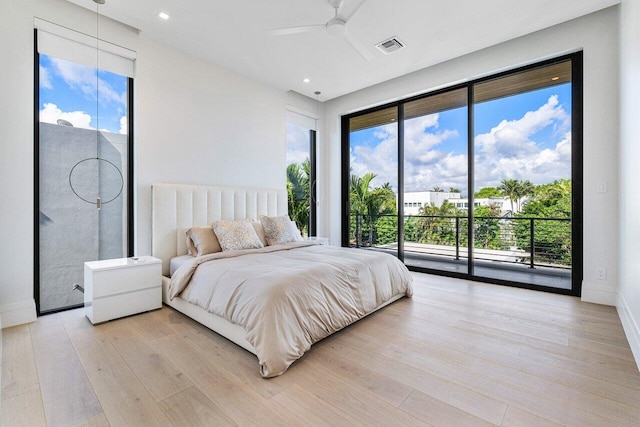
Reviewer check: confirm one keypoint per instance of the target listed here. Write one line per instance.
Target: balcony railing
(531, 241)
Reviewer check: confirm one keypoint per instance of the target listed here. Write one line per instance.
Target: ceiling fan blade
(296, 30)
(350, 8)
(359, 46)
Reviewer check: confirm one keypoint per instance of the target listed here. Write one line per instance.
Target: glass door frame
(576, 174)
(129, 182)
(313, 183)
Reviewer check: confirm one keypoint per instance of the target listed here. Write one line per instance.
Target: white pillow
(277, 229)
(236, 235)
(297, 235)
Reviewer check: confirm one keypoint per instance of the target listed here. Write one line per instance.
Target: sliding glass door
(489, 181)
(522, 179)
(373, 181)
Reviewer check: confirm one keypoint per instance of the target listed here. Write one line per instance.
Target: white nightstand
(120, 287)
(321, 240)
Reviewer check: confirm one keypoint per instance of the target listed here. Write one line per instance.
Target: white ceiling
(233, 34)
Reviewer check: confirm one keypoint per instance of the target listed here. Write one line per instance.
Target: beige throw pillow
(202, 241)
(236, 235)
(277, 229)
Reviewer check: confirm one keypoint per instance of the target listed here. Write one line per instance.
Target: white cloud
(508, 152)
(297, 144)
(83, 78)
(124, 125)
(425, 166)
(45, 79)
(51, 113)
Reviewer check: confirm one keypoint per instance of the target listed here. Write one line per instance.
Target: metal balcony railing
(531, 241)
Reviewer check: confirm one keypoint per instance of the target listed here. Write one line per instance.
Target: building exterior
(415, 200)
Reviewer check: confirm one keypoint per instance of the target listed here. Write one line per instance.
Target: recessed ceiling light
(306, 80)
(163, 15)
(555, 78)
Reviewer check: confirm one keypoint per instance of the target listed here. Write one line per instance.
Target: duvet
(289, 296)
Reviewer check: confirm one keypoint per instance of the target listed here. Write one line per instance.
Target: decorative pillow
(202, 241)
(277, 229)
(236, 235)
(257, 225)
(297, 235)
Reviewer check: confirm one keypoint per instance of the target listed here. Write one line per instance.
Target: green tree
(298, 194)
(368, 205)
(487, 227)
(487, 192)
(436, 225)
(515, 190)
(551, 203)
(509, 188)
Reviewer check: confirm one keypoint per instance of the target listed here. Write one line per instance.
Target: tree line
(374, 219)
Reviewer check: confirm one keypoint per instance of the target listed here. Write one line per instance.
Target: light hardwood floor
(456, 354)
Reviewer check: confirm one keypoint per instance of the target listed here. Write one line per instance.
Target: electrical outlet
(601, 273)
(602, 187)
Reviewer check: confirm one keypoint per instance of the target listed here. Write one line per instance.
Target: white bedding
(289, 296)
(176, 263)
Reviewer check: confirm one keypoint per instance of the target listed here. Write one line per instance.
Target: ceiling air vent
(390, 45)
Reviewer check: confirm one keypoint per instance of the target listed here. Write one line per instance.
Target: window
(509, 145)
(84, 147)
(301, 171)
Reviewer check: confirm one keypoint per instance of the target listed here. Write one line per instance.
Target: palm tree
(526, 189)
(298, 193)
(360, 199)
(437, 189)
(515, 190)
(509, 187)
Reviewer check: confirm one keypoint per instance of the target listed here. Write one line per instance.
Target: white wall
(195, 123)
(597, 35)
(629, 296)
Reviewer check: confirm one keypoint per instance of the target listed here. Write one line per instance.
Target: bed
(274, 301)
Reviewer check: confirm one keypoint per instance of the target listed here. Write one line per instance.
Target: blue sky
(525, 136)
(68, 91)
(298, 144)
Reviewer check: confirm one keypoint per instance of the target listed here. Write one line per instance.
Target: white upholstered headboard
(176, 207)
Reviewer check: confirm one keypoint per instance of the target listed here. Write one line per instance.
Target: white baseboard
(17, 313)
(599, 294)
(630, 327)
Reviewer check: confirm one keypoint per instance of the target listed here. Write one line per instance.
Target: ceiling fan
(336, 26)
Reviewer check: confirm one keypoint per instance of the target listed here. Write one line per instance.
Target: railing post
(457, 238)
(532, 243)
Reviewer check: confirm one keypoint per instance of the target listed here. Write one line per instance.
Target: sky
(68, 92)
(525, 136)
(297, 144)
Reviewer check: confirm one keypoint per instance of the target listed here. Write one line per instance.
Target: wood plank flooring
(456, 354)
